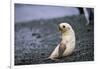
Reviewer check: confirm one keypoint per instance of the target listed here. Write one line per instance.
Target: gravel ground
(35, 40)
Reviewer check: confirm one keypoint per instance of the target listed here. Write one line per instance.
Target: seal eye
(63, 26)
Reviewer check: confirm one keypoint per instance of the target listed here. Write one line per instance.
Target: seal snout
(59, 27)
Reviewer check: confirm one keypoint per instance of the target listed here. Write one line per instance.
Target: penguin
(67, 43)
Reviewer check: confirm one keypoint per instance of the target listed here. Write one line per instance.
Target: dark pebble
(42, 54)
(34, 34)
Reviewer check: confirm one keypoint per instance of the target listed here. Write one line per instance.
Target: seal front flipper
(62, 48)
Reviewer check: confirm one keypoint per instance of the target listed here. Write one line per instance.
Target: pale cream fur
(68, 38)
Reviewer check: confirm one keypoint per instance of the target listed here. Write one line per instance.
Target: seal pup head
(64, 27)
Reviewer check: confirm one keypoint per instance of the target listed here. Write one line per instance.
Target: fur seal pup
(67, 44)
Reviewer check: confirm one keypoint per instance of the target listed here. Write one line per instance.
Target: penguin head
(64, 27)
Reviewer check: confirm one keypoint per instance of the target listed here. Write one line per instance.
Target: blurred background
(37, 35)
(25, 12)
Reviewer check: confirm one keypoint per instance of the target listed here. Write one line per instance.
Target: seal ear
(68, 28)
